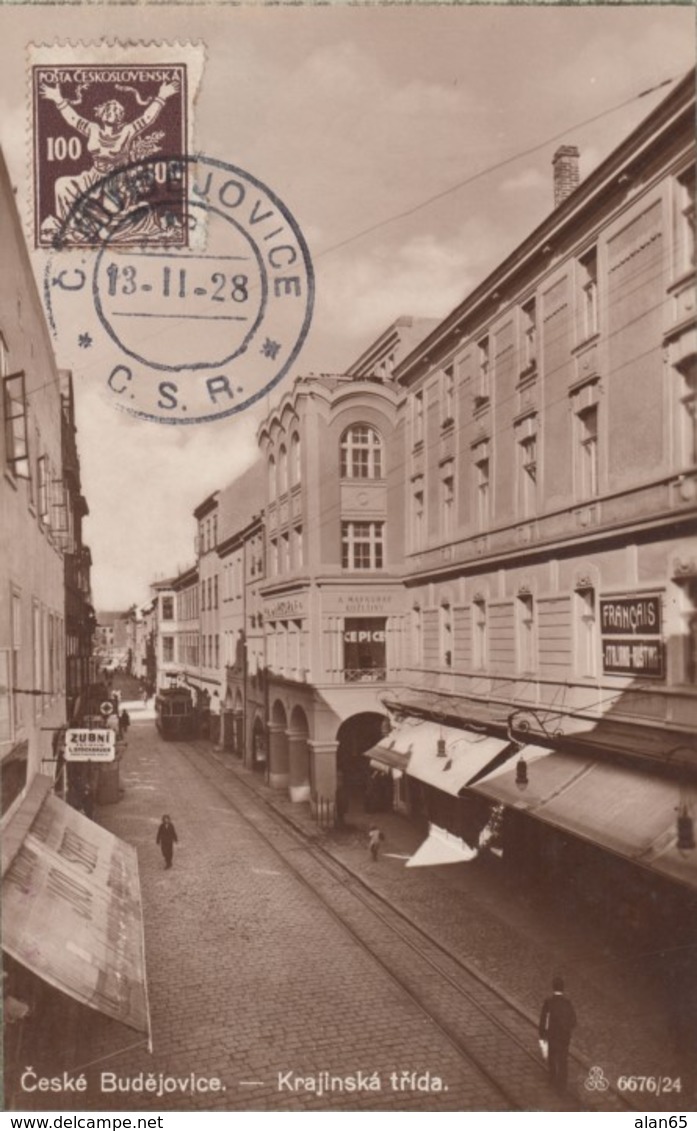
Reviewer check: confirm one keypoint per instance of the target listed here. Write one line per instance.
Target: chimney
(566, 174)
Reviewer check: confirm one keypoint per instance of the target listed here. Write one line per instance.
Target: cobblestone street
(253, 982)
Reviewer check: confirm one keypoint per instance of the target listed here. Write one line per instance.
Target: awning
(628, 811)
(466, 755)
(441, 847)
(71, 909)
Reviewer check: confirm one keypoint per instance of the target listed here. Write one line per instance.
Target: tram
(175, 714)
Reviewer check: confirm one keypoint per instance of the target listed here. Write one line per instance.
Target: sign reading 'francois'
(631, 636)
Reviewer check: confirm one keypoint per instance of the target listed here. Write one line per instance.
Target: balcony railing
(365, 675)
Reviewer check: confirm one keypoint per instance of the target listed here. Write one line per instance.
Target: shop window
(361, 453)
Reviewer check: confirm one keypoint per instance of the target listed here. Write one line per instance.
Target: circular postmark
(199, 281)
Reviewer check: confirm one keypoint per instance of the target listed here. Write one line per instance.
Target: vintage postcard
(348, 579)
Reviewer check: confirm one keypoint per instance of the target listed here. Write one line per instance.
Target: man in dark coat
(166, 838)
(557, 1022)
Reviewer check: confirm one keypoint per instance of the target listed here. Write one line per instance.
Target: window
(214, 536)
(272, 478)
(282, 471)
(168, 608)
(689, 608)
(418, 513)
(273, 564)
(529, 316)
(361, 453)
(295, 459)
(168, 649)
(448, 395)
(686, 438)
(479, 634)
(588, 279)
(5, 695)
(587, 451)
(685, 235)
(418, 420)
(42, 488)
(37, 668)
(483, 371)
(446, 636)
(217, 650)
(527, 642)
(15, 414)
(483, 486)
(417, 637)
(284, 553)
(448, 499)
(18, 709)
(527, 474)
(298, 549)
(215, 591)
(362, 545)
(587, 632)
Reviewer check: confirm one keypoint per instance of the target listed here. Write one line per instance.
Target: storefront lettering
(633, 657)
(624, 615)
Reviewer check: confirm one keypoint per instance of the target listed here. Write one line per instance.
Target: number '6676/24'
(658, 1085)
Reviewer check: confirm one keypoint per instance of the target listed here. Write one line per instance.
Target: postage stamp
(93, 115)
(189, 329)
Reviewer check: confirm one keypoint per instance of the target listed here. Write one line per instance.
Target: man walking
(557, 1022)
(166, 838)
(375, 837)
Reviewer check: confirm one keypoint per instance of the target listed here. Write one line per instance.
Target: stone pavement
(251, 979)
(516, 944)
(253, 984)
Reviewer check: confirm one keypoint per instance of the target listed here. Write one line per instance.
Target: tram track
(466, 1009)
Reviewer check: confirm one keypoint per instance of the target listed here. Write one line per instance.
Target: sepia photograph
(348, 559)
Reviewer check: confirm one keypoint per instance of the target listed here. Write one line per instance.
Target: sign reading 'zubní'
(638, 621)
(90, 745)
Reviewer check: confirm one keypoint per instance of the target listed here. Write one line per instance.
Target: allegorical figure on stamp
(111, 141)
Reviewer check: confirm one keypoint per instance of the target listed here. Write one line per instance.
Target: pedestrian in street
(124, 723)
(557, 1022)
(87, 801)
(167, 838)
(375, 838)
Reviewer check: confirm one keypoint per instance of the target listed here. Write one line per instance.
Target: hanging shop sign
(632, 642)
(90, 745)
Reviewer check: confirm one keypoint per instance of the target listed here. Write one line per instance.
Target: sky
(352, 115)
